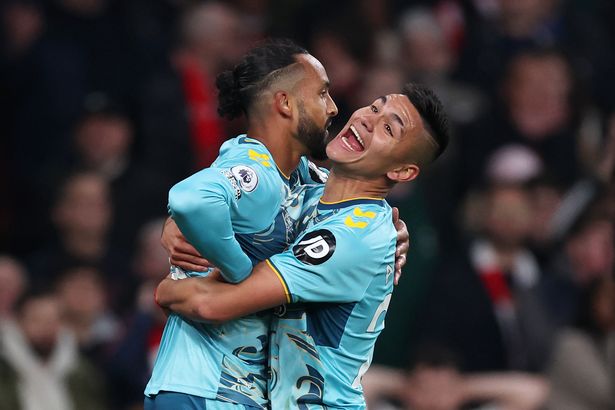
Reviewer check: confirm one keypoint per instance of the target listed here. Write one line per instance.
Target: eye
(374, 109)
(389, 130)
(323, 93)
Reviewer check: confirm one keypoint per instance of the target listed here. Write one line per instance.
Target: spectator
(103, 142)
(82, 216)
(82, 294)
(40, 364)
(485, 304)
(518, 164)
(582, 369)
(434, 382)
(540, 110)
(587, 255)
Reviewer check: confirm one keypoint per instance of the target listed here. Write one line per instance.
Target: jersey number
(382, 308)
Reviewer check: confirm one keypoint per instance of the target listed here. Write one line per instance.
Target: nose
(366, 123)
(332, 108)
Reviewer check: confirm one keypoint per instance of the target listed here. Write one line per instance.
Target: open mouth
(352, 140)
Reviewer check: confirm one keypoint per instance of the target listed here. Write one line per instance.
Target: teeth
(345, 141)
(356, 134)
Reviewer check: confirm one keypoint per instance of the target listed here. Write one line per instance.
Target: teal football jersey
(238, 212)
(338, 276)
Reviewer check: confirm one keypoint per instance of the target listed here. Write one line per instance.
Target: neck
(341, 187)
(284, 148)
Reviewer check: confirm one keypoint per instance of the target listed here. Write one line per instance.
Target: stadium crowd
(508, 296)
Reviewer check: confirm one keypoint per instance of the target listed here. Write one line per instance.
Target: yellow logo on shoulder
(263, 159)
(349, 221)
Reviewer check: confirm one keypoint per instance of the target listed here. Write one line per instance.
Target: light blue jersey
(236, 213)
(339, 280)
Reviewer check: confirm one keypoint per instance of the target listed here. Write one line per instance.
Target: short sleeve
(326, 264)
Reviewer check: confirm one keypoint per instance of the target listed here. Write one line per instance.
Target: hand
(181, 253)
(146, 302)
(403, 244)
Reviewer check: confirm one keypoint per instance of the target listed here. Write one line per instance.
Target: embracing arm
(207, 299)
(200, 205)
(403, 244)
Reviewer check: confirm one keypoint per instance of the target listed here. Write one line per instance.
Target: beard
(312, 136)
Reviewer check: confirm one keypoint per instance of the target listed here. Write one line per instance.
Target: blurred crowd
(508, 297)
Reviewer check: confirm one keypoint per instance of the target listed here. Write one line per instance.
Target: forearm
(180, 296)
(207, 299)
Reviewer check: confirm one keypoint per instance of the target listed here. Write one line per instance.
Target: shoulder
(247, 164)
(362, 232)
(244, 150)
(365, 221)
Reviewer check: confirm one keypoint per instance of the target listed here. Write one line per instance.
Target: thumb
(395, 214)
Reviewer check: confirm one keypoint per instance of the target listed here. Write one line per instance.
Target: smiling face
(384, 138)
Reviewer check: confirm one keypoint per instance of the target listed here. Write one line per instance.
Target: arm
(207, 299)
(285, 278)
(180, 252)
(402, 246)
(201, 207)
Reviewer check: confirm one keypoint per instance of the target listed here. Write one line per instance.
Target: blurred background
(508, 296)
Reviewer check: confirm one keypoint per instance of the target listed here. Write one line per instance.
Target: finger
(397, 277)
(187, 266)
(402, 231)
(402, 248)
(400, 261)
(185, 257)
(195, 260)
(185, 247)
(395, 215)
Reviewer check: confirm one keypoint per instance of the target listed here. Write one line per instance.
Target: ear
(283, 103)
(404, 173)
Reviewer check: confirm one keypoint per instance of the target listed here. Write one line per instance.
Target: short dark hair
(432, 113)
(238, 87)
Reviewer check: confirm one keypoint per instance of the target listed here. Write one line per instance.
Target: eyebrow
(383, 100)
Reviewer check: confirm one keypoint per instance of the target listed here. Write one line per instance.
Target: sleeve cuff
(281, 278)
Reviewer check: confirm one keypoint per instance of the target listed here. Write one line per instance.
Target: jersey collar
(244, 139)
(349, 202)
